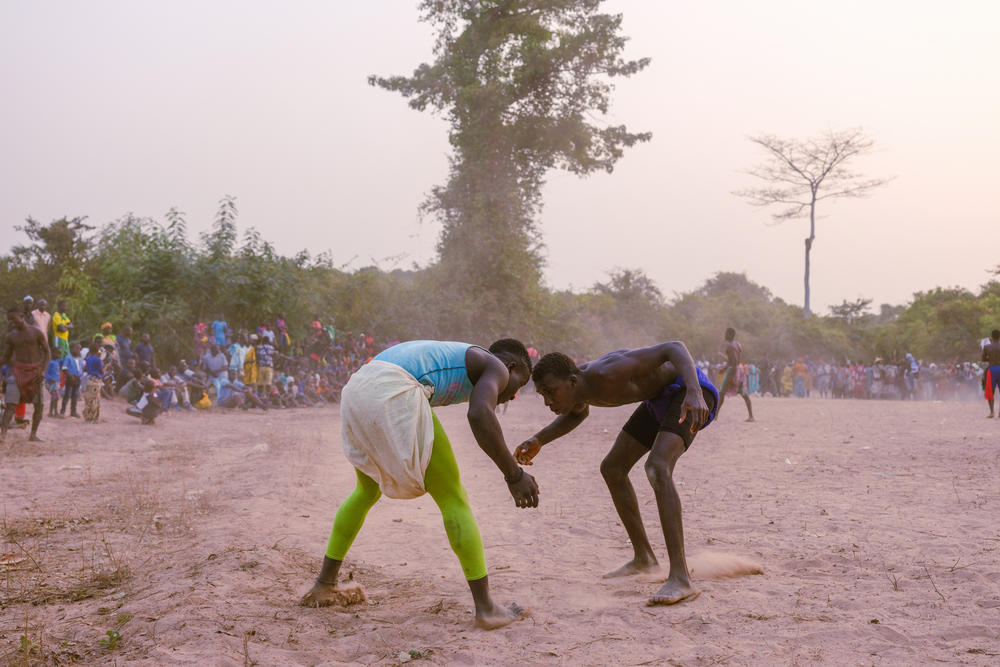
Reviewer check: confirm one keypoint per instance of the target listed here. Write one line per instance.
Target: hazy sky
(110, 107)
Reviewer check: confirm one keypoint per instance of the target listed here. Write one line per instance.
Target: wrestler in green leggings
(442, 482)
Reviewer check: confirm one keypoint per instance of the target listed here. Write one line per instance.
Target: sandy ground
(877, 525)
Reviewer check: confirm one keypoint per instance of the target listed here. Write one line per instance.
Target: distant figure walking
(991, 355)
(734, 378)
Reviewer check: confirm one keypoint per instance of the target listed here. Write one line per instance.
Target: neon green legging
(442, 482)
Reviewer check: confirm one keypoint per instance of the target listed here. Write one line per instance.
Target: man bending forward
(676, 399)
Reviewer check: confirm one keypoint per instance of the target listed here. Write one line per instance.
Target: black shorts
(644, 427)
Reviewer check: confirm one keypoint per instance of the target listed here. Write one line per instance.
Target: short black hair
(15, 309)
(730, 333)
(514, 348)
(556, 364)
(995, 334)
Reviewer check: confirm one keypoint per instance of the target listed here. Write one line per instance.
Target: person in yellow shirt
(61, 326)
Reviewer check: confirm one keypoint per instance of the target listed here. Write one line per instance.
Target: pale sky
(133, 105)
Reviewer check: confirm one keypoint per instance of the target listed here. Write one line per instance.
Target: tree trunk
(806, 312)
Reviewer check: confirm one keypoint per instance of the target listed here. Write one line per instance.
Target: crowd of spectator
(905, 379)
(241, 368)
(262, 368)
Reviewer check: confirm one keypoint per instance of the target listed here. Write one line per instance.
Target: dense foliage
(152, 276)
(525, 86)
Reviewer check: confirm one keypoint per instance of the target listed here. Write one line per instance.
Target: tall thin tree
(802, 172)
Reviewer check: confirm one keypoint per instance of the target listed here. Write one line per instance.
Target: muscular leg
(8, 414)
(346, 525)
(11, 398)
(444, 484)
(746, 399)
(37, 409)
(615, 468)
(727, 382)
(659, 469)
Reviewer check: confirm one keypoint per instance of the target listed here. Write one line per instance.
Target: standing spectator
(265, 363)
(266, 334)
(878, 377)
(107, 335)
(238, 356)
(251, 374)
(42, 317)
(124, 345)
(144, 351)
(318, 343)
(24, 359)
(29, 309)
(219, 330)
(800, 373)
(284, 343)
(93, 370)
(109, 357)
(53, 378)
(73, 367)
(61, 326)
(217, 366)
(200, 338)
(331, 331)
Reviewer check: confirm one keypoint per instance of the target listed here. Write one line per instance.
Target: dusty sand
(877, 525)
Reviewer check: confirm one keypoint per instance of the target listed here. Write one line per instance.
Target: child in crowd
(93, 382)
(53, 378)
(73, 367)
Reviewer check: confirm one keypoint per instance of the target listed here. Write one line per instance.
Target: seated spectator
(173, 380)
(128, 385)
(235, 394)
(147, 407)
(216, 365)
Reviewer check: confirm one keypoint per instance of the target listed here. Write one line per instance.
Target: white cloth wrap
(387, 427)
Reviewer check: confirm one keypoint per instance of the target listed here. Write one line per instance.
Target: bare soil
(191, 541)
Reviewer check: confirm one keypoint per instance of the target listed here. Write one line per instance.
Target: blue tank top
(439, 364)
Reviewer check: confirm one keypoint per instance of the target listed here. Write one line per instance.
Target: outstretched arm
(559, 427)
(489, 435)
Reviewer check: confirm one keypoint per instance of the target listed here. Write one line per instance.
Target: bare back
(627, 376)
(991, 353)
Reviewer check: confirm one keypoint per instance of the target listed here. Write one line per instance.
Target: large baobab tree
(800, 173)
(526, 87)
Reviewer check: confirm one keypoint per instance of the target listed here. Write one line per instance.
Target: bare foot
(673, 592)
(34, 438)
(325, 595)
(751, 419)
(499, 616)
(633, 567)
